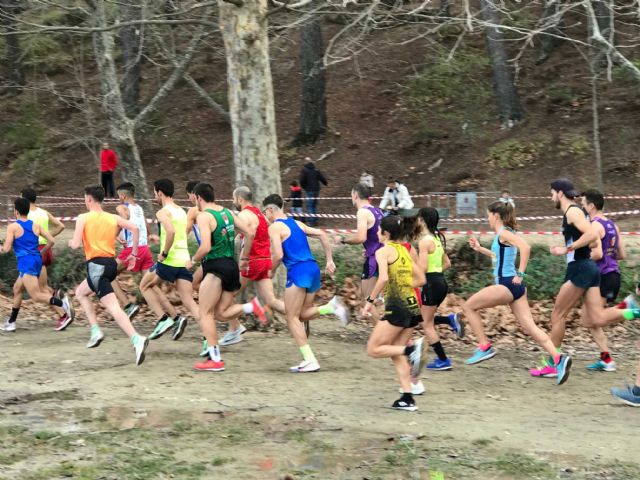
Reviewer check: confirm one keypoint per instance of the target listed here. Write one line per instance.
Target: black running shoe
(405, 404)
(178, 327)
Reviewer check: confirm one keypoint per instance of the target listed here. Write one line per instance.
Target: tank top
(609, 261)
(571, 234)
(435, 258)
(40, 217)
(399, 289)
(27, 244)
(178, 255)
(136, 216)
(504, 257)
(99, 235)
(223, 236)
(372, 243)
(295, 248)
(261, 247)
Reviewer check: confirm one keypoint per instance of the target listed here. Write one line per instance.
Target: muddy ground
(69, 412)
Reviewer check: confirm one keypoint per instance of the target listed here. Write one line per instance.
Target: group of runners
(409, 281)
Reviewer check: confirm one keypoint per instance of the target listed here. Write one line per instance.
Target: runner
(433, 260)
(290, 246)
(631, 393)
(97, 231)
(583, 276)
(509, 288)
(22, 237)
(192, 213)
(608, 251)
(217, 226)
(398, 275)
(54, 226)
(171, 263)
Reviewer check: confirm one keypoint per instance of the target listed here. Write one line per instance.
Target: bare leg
(486, 298)
(210, 293)
(122, 297)
(428, 314)
(522, 312)
(32, 285)
(17, 293)
(366, 287)
(150, 294)
(83, 293)
(185, 291)
(110, 303)
(294, 299)
(265, 291)
(167, 306)
(600, 316)
(197, 278)
(385, 342)
(567, 298)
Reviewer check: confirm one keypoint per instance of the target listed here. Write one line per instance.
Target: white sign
(466, 203)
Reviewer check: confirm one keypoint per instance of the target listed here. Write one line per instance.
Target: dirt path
(69, 412)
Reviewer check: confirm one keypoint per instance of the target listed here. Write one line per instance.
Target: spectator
(396, 197)
(295, 194)
(310, 180)
(108, 164)
(506, 197)
(366, 179)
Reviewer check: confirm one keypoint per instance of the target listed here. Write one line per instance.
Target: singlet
(99, 235)
(372, 243)
(178, 255)
(136, 216)
(295, 248)
(223, 236)
(571, 234)
(609, 261)
(399, 289)
(435, 258)
(504, 257)
(261, 247)
(40, 217)
(27, 244)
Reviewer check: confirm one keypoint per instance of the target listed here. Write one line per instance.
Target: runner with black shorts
(97, 231)
(192, 228)
(398, 276)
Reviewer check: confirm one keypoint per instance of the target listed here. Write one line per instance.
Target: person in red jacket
(108, 164)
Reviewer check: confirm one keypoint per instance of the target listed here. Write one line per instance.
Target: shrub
(514, 153)
(68, 269)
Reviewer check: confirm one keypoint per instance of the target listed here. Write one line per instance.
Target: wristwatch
(521, 274)
(370, 300)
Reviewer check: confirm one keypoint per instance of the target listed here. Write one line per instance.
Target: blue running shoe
(563, 368)
(456, 325)
(625, 395)
(438, 364)
(601, 366)
(480, 356)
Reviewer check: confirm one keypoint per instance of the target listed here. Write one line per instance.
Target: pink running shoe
(546, 372)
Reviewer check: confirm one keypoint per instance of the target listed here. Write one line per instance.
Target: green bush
(514, 153)
(8, 273)
(68, 268)
(45, 53)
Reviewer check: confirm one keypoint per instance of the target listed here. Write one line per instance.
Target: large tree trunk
(255, 148)
(130, 10)
(507, 98)
(313, 114)
(552, 25)
(15, 74)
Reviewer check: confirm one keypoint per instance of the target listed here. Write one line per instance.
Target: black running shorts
(435, 290)
(226, 269)
(400, 315)
(583, 274)
(610, 286)
(101, 271)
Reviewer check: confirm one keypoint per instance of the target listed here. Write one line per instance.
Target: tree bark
(131, 41)
(552, 25)
(313, 114)
(255, 148)
(603, 16)
(507, 98)
(15, 81)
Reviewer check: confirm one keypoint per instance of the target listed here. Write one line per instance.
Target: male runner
(172, 260)
(54, 226)
(192, 214)
(97, 232)
(291, 247)
(22, 236)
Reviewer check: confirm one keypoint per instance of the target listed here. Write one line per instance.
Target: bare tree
(15, 74)
(130, 39)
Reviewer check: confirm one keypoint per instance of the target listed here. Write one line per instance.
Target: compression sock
(307, 353)
(55, 301)
(326, 309)
(484, 348)
(439, 351)
(214, 353)
(247, 307)
(95, 330)
(605, 357)
(408, 350)
(135, 338)
(14, 315)
(441, 320)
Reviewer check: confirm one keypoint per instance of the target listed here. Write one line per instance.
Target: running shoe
(408, 405)
(205, 348)
(161, 327)
(232, 337)
(259, 311)
(63, 322)
(96, 339)
(132, 310)
(178, 327)
(456, 325)
(625, 395)
(418, 357)
(8, 326)
(209, 366)
(340, 311)
(140, 347)
(602, 366)
(546, 371)
(67, 306)
(563, 369)
(480, 356)
(438, 364)
(631, 302)
(306, 366)
(416, 388)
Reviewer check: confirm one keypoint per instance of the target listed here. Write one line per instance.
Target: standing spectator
(396, 197)
(310, 180)
(506, 197)
(366, 179)
(295, 194)
(108, 164)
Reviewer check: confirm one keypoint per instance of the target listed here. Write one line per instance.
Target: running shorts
(610, 286)
(30, 264)
(226, 269)
(144, 260)
(516, 290)
(399, 315)
(47, 257)
(171, 274)
(258, 269)
(435, 290)
(583, 274)
(304, 275)
(370, 268)
(101, 271)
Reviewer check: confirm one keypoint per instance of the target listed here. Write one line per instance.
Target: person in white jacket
(396, 197)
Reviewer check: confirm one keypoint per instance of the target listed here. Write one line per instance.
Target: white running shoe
(8, 326)
(140, 347)
(416, 388)
(95, 340)
(306, 367)
(233, 337)
(418, 357)
(67, 306)
(340, 310)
